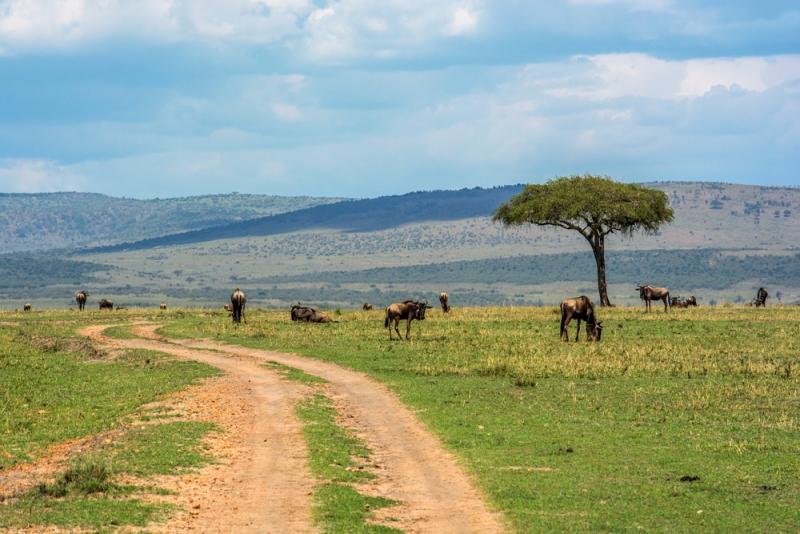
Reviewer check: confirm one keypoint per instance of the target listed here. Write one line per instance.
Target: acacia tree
(593, 206)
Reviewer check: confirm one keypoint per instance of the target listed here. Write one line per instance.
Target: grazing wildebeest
(408, 310)
(650, 293)
(761, 297)
(27, 307)
(304, 314)
(163, 306)
(106, 304)
(238, 302)
(80, 298)
(580, 308)
(691, 301)
(445, 302)
(367, 306)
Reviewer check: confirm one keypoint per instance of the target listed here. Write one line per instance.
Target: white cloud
(463, 22)
(286, 112)
(610, 76)
(37, 176)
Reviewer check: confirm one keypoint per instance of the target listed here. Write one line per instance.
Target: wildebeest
(80, 298)
(228, 307)
(238, 302)
(27, 307)
(304, 314)
(691, 301)
(163, 306)
(580, 308)
(676, 302)
(367, 306)
(121, 308)
(106, 304)
(650, 293)
(408, 310)
(761, 297)
(445, 302)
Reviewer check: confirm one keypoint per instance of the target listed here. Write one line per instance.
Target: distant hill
(30, 222)
(367, 215)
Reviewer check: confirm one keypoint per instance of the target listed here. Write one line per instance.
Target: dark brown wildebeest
(580, 308)
(121, 308)
(163, 306)
(27, 307)
(445, 302)
(238, 302)
(367, 306)
(106, 304)
(408, 310)
(691, 301)
(676, 302)
(304, 314)
(650, 293)
(80, 298)
(761, 297)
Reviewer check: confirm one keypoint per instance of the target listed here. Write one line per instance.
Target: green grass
(164, 449)
(708, 393)
(340, 459)
(55, 388)
(295, 374)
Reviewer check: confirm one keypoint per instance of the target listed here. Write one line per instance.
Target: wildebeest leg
(665, 304)
(243, 316)
(396, 324)
(408, 327)
(579, 330)
(564, 327)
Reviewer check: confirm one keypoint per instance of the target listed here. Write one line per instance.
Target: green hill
(60, 220)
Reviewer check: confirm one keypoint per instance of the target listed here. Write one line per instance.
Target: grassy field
(679, 422)
(56, 387)
(673, 423)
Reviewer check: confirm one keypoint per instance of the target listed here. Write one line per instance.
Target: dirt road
(273, 483)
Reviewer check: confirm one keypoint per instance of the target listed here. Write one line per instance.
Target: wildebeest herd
(580, 309)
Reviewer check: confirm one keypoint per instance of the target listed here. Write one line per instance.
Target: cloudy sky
(160, 98)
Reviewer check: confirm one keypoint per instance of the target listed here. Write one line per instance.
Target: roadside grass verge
(675, 422)
(86, 494)
(57, 387)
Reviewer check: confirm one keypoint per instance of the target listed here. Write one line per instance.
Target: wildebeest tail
(386, 322)
(561, 330)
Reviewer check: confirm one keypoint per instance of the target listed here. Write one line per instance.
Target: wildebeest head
(419, 310)
(595, 331)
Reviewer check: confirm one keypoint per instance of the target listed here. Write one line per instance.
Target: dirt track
(271, 479)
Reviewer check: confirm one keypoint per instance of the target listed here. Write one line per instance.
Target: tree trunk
(599, 249)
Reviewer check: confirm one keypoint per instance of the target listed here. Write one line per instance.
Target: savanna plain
(675, 422)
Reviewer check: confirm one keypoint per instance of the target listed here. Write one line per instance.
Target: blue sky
(357, 98)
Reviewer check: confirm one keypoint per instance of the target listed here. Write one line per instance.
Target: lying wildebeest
(27, 307)
(650, 293)
(106, 304)
(238, 302)
(761, 297)
(408, 310)
(691, 301)
(445, 302)
(304, 314)
(163, 306)
(367, 306)
(121, 308)
(80, 298)
(580, 308)
(676, 302)
(228, 307)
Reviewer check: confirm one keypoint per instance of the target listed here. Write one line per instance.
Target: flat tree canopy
(594, 206)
